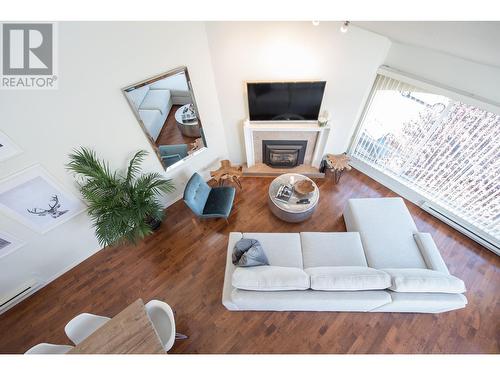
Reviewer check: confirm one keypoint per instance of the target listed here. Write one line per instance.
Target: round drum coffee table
(290, 210)
(187, 121)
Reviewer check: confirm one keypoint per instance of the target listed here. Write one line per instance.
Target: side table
(337, 164)
(227, 172)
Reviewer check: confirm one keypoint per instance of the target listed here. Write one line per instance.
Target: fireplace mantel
(319, 148)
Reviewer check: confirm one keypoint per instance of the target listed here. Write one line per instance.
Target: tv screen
(285, 101)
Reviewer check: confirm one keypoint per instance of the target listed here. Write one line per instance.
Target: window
(445, 150)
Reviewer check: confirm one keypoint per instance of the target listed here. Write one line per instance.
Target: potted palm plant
(124, 208)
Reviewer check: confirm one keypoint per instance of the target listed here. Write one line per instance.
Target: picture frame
(33, 197)
(9, 244)
(8, 148)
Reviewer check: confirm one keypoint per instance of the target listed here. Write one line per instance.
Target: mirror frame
(152, 142)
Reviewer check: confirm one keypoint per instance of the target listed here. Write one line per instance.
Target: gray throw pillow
(248, 252)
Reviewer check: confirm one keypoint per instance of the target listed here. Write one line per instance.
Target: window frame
(413, 194)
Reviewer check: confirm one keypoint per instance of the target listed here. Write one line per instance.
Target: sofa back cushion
(331, 249)
(138, 95)
(270, 278)
(424, 281)
(281, 249)
(347, 278)
(386, 229)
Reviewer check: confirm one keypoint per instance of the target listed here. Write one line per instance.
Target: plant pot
(154, 224)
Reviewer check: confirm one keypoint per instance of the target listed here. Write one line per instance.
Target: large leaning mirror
(166, 110)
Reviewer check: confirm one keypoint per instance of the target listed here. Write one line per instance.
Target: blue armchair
(171, 154)
(206, 201)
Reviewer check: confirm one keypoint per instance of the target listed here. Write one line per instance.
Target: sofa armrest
(430, 252)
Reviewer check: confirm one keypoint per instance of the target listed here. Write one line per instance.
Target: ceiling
(471, 40)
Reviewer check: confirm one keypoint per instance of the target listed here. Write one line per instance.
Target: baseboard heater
(435, 211)
(17, 295)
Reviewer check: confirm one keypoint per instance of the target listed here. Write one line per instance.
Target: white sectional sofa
(382, 264)
(153, 102)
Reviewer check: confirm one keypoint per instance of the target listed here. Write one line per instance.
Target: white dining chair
(83, 325)
(45, 348)
(162, 317)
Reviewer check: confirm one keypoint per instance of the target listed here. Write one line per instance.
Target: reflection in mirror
(166, 110)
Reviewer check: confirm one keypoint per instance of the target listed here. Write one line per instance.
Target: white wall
(475, 78)
(244, 51)
(95, 61)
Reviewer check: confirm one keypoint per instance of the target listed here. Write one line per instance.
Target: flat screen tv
(285, 101)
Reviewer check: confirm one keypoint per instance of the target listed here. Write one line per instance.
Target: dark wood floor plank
(183, 264)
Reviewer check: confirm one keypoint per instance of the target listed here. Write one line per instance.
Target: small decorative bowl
(303, 187)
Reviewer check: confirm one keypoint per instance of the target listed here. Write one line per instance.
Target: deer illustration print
(52, 211)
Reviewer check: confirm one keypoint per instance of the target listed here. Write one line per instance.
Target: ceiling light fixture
(315, 23)
(345, 27)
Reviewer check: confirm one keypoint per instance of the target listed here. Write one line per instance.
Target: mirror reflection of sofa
(153, 102)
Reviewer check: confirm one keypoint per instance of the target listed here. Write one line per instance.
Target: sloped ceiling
(471, 40)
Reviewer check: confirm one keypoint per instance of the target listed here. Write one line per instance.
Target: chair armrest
(430, 252)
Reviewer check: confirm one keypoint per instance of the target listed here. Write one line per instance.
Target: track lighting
(345, 26)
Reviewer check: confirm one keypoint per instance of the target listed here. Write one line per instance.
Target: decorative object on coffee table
(303, 187)
(298, 207)
(227, 172)
(337, 164)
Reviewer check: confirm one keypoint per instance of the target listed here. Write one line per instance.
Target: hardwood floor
(183, 264)
(170, 133)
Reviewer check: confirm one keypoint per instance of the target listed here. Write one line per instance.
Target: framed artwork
(34, 198)
(8, 148)
(8, 244)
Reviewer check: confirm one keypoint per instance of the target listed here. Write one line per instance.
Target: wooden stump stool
(227, 172)
(337, 164)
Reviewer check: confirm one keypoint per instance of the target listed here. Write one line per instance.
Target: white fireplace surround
(250, 128)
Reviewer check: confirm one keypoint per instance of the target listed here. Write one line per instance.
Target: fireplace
(283, 154)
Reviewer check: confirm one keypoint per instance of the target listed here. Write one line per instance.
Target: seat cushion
(157, 99)
(331, 249)
(308, 300)
(281, 249)
(386, 229)
(348, 278)
(423, 302)
(219, 202)
(423, 281)
(270, 278)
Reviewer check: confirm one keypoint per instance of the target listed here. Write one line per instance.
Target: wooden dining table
(129, 332)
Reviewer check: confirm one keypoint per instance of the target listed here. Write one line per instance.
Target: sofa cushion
(176, 84)
(386, 229)
(157, 99)
(281, 249)
(423, 281)
(348, 278)
(270, 278)
(309, 300)
(324, 249)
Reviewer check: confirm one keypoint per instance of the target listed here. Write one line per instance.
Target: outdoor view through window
(443, 149)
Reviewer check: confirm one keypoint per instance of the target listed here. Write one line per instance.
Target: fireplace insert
(283, 154)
